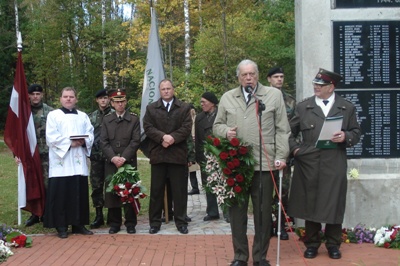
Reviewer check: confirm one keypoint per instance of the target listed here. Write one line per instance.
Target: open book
(330, 126)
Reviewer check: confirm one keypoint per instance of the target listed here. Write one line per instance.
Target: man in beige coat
(237, 117)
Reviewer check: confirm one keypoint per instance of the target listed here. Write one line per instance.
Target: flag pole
(20, 168)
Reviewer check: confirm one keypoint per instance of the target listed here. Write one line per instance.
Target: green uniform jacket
(319, 184)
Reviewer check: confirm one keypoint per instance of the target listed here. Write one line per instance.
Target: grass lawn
(9, 188)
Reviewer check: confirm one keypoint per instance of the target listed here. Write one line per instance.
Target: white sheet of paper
(330, 126)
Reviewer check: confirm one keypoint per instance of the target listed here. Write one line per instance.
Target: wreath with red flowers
(127, 185)
(230, 167)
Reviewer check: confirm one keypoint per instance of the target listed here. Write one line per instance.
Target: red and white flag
(20, 137)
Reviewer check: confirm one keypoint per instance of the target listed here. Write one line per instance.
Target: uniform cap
(325, 77)
(117, 95)
(35, 87)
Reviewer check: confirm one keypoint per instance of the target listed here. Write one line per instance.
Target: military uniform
(40, 113)
(120, 137)
(97, 175)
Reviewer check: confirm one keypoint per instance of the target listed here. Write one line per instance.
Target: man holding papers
(319, 185)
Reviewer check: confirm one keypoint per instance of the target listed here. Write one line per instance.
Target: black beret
(325, 77)
(210, 97)
(274, 71)
(35, 87)
(101, 93)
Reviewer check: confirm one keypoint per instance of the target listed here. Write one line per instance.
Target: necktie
(248, 98)
(325, 102)
(167, 107)
(120, 118)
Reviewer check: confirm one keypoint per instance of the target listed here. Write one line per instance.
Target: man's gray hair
(244, 63)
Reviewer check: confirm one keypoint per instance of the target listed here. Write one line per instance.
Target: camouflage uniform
(40, 113)
(290, 103)
(97, 160)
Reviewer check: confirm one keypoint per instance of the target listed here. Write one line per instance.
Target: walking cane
(279, 217)
(166, 205)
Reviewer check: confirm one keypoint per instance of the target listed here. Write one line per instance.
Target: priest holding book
(69, 135)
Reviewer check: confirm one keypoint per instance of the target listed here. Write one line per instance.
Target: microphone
(249, 89)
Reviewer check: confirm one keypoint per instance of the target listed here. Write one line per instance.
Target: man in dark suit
(120, 139)
(168, 124)
(319, 185)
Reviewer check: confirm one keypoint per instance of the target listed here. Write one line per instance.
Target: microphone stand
(261, 108)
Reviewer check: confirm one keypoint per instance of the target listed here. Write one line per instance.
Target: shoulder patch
(108, 114)
(133, 114)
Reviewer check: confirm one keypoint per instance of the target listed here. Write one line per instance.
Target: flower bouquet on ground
(359, 234)
(127, 185)
(388, 237)
(230, 168)
(10, 237)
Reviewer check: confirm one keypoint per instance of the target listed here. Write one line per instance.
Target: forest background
(91, 45)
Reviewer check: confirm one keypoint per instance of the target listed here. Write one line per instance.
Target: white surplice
(65, 160)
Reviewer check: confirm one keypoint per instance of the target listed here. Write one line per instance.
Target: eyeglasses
(251, 74)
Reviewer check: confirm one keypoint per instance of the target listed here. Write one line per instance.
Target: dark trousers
(212, 205)
(261, 210)
(193, 180)
(333, 234)
(177, 175)
(114, 216)
(97, 177)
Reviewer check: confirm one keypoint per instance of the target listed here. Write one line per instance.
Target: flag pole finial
(19, 41)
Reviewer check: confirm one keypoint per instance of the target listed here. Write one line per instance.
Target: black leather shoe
(194, 192)
(261, 263)
(310, 253)
(284, 235)
(238, 263)
(154, 230)
(334, 253)
(99, 219)
(130, 229)
(183, 229)
(32, 220)
(80, 229)
(188, 219)
(114, 230)
(62, 232)
(210, 218)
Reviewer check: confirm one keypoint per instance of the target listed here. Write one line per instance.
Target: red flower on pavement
(386, 245)
(243, 150)
(235, 142)
(19, 241)
(223, 155)
(230, 182)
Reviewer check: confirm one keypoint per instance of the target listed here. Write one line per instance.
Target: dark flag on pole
(20, 137)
